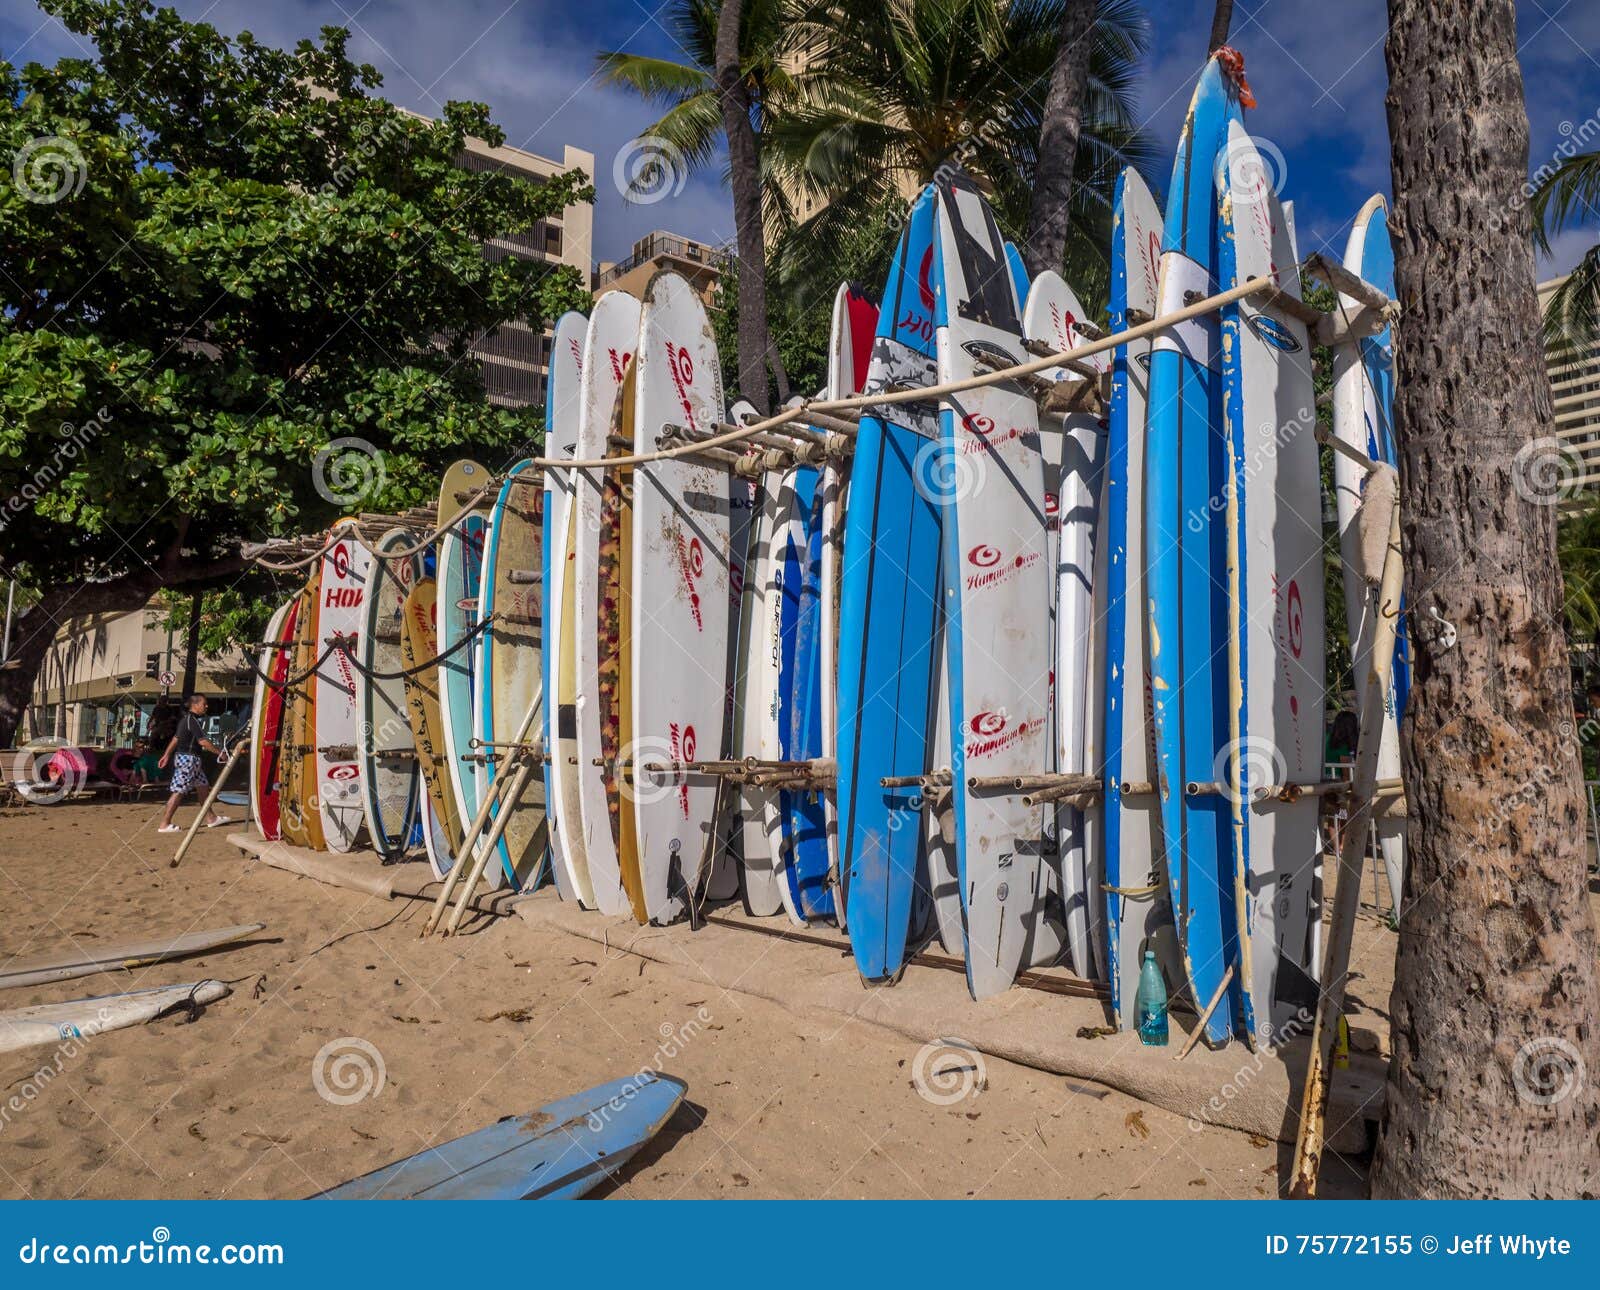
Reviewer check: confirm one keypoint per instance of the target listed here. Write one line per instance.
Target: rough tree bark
(745, 179)
(1494, 1088)
(1059, 127)
(1221, 20)
(35, 630)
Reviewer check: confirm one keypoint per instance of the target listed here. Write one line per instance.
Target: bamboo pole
(241, 753)
(1311, 1139)
(452, 878)
(1200, 1026)
(518, 780)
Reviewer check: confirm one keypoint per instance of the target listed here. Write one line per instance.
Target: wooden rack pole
(1311, 1139)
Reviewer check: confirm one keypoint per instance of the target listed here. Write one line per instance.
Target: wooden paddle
(239, 755)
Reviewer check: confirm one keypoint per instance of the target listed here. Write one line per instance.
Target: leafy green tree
(237, 292)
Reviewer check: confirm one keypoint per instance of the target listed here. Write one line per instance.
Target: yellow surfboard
(419, 643)
(616, 652)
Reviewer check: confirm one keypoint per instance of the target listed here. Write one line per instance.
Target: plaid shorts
(187, 773)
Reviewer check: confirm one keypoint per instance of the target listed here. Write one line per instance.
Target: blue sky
(1316, 66)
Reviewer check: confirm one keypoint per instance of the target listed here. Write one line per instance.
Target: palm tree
(1494, 1010)
(726, 91)
(1060, 124)
(1221, 20)
(890, 93)
(1567, 195)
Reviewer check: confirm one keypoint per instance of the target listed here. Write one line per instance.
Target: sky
(1316, 66)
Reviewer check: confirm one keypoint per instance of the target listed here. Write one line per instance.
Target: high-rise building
(516, 359)
(701, 263)
(1575, 382)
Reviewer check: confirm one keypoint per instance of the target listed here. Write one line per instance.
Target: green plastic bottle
(1150, 1003)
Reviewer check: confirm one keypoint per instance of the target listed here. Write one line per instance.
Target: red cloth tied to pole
(1232, 62)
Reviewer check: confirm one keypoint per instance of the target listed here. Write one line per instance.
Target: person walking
(183, 752)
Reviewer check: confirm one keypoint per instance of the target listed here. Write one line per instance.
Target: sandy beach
(494, 1023)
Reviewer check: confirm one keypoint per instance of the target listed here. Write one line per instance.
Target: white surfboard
(1276, 580)
(389, 779)
(1363, 390)
(997, 592)
(761, 879)
(560, 490)
(1073, 445)
(346, 571)
(681, 536)
(608, 350)
(60, 1023)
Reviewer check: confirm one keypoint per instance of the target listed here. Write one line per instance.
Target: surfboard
(1363, 416)
(762, 883)
(589, 702)
(459, 579)
(889, 607)
(268, 727)
(91, 961)
(559, 1152)
(997, 590)
(346, 577)
(1138, 905)
(419, 644)
(563, 396)
(680, 543)
(1185, 562)
(1073, 444)
(56, 1023)
(1276, 584)
(300, 820)
(795, 610)
(510, 673)
(387, 751)
(617, 643)
(852, 329)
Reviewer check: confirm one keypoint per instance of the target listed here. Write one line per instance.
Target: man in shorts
(183, 752)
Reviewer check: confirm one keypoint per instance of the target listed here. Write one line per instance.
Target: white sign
(168, 680)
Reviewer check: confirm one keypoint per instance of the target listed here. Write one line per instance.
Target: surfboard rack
(943, 778)
(339, 752)
(817, 773)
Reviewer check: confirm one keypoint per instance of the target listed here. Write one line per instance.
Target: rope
(338, 645)
(849, 403)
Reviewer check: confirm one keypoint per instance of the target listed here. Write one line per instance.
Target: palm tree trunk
(745, 177)
(1059, 126)
(1221, 20)
(1494, 1012)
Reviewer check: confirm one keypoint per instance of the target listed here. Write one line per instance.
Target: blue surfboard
(888, 615)
(559, 1152)
(800, 702)
(1186, 565)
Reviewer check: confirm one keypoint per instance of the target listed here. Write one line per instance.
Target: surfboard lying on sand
(559, 1152)
(117, 958)
(51, 1023)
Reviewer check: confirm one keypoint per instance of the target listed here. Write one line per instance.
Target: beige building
(699, 262)
(101, 682)
(1575, 383)
(516, 359)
